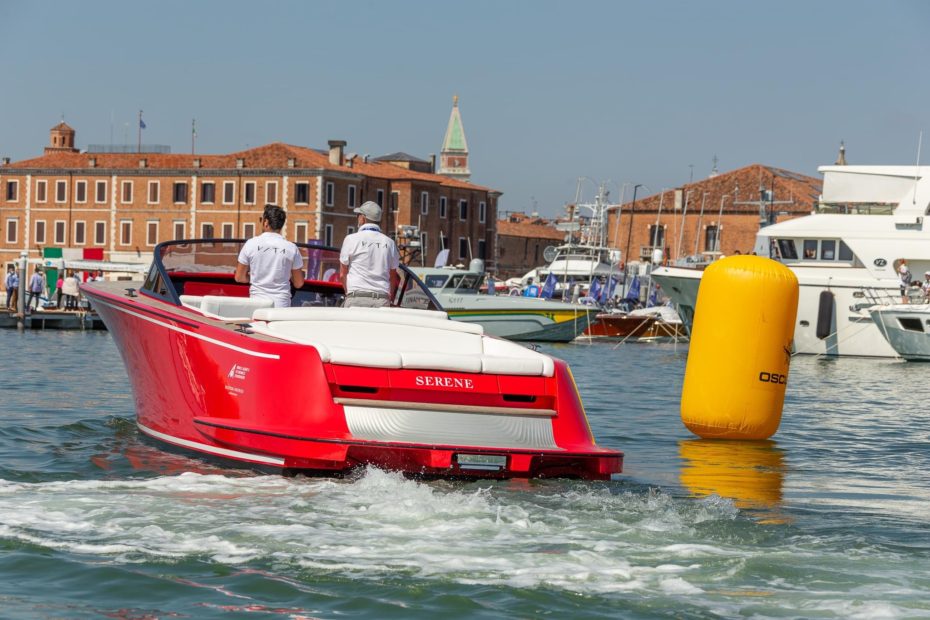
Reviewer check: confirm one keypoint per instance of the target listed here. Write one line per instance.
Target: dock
(52, 319)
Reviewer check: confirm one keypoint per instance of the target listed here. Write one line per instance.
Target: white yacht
(907, 328)
(870, 219)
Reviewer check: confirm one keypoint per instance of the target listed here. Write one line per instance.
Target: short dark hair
(275, 215)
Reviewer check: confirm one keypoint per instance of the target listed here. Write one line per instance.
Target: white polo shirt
(370, 256)
(270, 258)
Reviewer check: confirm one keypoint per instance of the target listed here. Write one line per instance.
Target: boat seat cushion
(232, 308)
(391, 316)
(395, 345)
(192, 301)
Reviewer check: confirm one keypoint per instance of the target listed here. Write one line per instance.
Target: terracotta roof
(63, 126)
(400, 156)
(530, 230)
(270, 156)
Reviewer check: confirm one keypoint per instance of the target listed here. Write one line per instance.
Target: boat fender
(737, 369)
(825, 314)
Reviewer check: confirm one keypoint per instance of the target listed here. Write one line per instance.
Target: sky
(550, 92)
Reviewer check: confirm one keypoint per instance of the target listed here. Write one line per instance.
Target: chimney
(432, 162)
(291, 162)
(240, 162)
(143, 163)
(6, 161)
(92, 162)
(350, 160)
(196, 162)
(336, 150)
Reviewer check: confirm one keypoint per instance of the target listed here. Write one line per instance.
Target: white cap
(371, 211)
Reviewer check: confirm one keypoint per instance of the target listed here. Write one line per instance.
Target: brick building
(721, 213)
(521, 241)
(125, 204)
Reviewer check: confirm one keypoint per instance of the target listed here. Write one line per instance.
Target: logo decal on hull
(447, 382)
(237, 372)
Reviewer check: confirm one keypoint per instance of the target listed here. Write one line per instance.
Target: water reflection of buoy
(750, 473)
(737, 369)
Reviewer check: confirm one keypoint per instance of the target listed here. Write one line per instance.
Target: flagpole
(193, 133)
(139, 147)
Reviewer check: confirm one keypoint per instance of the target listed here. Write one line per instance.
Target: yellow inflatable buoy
(737, 369)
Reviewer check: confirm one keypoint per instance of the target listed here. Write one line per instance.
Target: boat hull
(200, 386)
(525, 325)
(907, 329)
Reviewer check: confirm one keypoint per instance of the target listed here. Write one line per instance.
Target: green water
(829, 520)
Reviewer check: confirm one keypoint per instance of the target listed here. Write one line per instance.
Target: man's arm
(395, 280)
(242, 273)
(297, 277)
(343, 276)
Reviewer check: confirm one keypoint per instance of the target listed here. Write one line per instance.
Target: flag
(442, 258)
(141, 123)
(654, 298)
(633, 293)
(595, 290)
(548, 288)
(608, 291)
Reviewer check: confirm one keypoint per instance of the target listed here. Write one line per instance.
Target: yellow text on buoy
(737, 370)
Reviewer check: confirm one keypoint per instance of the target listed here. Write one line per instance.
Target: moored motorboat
(323, 388)
(906, 327)
(654, 323)
(513, 317)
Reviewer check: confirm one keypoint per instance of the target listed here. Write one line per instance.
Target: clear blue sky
(550, 91)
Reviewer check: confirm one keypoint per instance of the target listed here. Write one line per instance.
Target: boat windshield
(208, 266)
(466, 282)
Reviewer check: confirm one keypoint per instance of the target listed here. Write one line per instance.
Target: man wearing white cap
(368, 262)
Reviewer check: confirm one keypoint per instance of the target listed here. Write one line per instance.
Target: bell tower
(61, 139)
(453, 158)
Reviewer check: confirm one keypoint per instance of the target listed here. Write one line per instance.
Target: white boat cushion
(395, 345)
(232, 308)
(192, 301)
(392, 316)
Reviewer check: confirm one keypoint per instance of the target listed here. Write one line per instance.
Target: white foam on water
(586, 539)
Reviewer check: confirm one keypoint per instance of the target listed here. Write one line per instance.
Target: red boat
(324, 388)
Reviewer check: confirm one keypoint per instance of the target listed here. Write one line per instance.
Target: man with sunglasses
(269, 263)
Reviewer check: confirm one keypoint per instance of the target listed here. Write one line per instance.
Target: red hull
(200, 384)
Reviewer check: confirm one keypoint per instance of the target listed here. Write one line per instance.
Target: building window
(12, 191)
(250, 193)
(482, 249)
(12, 230)
(80, 191)
(60, 231)
(61, 191)
(380, 195)
(656, 236)
(482, 212)
(463, 210)
(300, 232)
(330, 194)
(151, 233)
(710, 239)
(395, 199)
(101, 192)
(100, 233)
(127, 192)
(179, 228)
(40, 232)
(228, 231)
(328, 235)
(302, 193)
(248, 230)
(41, 191)
(271, 192)
(424, 203)
(463, 248)
(206, 231)
(442, 207)
(229, 192)
(208, 192)
(179, 192)
(350, 230)
(351, 196)
(125, 232)
(80, 233)
(154, 187)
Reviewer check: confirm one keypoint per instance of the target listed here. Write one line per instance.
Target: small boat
(655, 323)
(906, 327)
(506, 316)
(317, 387)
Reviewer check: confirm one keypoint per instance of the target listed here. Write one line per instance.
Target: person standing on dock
(12, 285)
(36, 286)
(368, 262)
(269, 263)
(71, 289)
